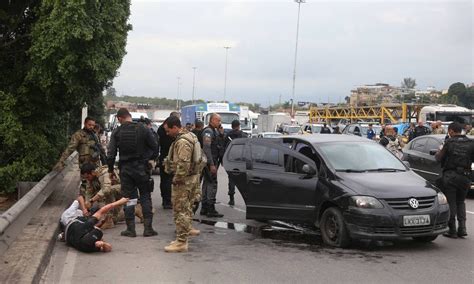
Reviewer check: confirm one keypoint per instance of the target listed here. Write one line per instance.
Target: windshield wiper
(385, 170)
(350, 171)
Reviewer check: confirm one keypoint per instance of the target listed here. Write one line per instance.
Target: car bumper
(387, 224)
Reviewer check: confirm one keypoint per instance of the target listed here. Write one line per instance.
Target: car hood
(387, 184)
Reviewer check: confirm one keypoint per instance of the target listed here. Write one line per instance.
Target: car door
(235, 161)
(416, 156)
(277, 188)
(430, 166)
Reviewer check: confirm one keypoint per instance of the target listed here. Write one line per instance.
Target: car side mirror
(308, 170)
(433, 152)
(406, 163)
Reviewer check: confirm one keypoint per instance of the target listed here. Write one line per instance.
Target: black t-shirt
(165, 142)
(82, 235)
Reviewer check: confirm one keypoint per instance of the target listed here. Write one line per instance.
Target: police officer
(235, 133)
(86, 143)
(137, 147)
(456, 158)
(179, 162)
(211, 149)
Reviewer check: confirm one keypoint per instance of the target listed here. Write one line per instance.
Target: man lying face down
(84, 233)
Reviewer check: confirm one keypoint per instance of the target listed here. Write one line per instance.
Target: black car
(347, 186)
(420, 154)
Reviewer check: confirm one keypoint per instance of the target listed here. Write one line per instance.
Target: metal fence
(17, 217)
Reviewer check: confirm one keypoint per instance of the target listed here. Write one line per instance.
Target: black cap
(235, 123)
(123, 112)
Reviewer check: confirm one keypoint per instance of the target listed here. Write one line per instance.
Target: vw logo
(413, 203)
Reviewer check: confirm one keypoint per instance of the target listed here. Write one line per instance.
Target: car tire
(425, 239)
(333, 228)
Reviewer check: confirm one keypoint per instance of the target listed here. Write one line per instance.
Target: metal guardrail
(17, 217)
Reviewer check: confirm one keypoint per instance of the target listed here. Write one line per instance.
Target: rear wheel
(333, 228)
(425, 239)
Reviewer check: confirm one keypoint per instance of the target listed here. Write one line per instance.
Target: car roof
(328, 138)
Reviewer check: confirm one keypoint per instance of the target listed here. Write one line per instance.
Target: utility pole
(225, 73)
(177, 95)
(296, 55)
(194, 80)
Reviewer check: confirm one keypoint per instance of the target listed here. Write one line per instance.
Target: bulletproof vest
(459, 153)
(214, 142)
(131, 141)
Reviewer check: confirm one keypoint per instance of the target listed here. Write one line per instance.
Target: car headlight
(472, 166)
(442, 198)
(366, 202)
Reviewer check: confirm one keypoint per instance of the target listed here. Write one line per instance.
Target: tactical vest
(87, 146)
(214, 142)
(131, 141)
(198, 159)
(458, 155)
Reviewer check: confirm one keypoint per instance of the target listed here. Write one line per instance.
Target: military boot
(177, 246)
(231, 200)
(204, 209)
(148, 231)
(194, 232)
(130, 231)
(108, 223)
(462, 232)
(195, 207)
(452, 231)
(213, 213)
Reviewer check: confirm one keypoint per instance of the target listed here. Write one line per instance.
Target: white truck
(228, 112)
(446, 113)
(271, 122)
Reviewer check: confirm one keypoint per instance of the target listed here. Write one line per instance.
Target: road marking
(69, 264)
(233, 207)
(470, 212)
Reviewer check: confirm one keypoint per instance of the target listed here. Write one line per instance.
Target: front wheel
(333, 228)
(425, 239)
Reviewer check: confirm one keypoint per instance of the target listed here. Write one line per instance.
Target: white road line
(470, 212)
(68, 268)
(233, 207)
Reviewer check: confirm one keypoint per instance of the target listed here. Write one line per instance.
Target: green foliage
(408, 83)
(56, 56)
(461, 94)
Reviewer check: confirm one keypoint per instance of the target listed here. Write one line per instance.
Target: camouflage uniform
(438, 130)
(105, 189)
(86, 144)
(185, 184)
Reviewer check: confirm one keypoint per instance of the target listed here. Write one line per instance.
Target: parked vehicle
(271, 122)
(360, 129)
(291, 129)
(314, 128)
(422, 162)
(269, 135)
(446, 113)
(228, 112)
(349, 187)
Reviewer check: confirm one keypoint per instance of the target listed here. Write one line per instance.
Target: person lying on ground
(83, 233)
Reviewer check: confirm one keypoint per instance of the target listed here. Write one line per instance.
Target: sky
(341, 45)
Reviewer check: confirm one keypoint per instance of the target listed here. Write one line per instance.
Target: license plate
(418, 220)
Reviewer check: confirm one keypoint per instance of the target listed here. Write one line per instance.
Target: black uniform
(325, 130)
(209, 185)
(137, 146)
(198, 133)
(456, 159)
(233, 134)
(165, 178)
(82, 234)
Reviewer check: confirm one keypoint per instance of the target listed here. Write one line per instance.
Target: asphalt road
(235, 250)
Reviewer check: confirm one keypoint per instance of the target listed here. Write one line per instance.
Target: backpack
(199, 159)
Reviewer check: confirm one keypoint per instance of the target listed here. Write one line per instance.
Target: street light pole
(194, 81)
(177, 95)
(225, 73)
(296, 54)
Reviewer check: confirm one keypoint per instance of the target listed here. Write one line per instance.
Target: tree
(111, 92)
(51, 66)
(347, 99)
(408, 83)
(464, 95)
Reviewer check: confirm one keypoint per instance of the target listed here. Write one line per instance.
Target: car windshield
(293, 129)
(245, 126)
(227, 118)
(357, 156)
